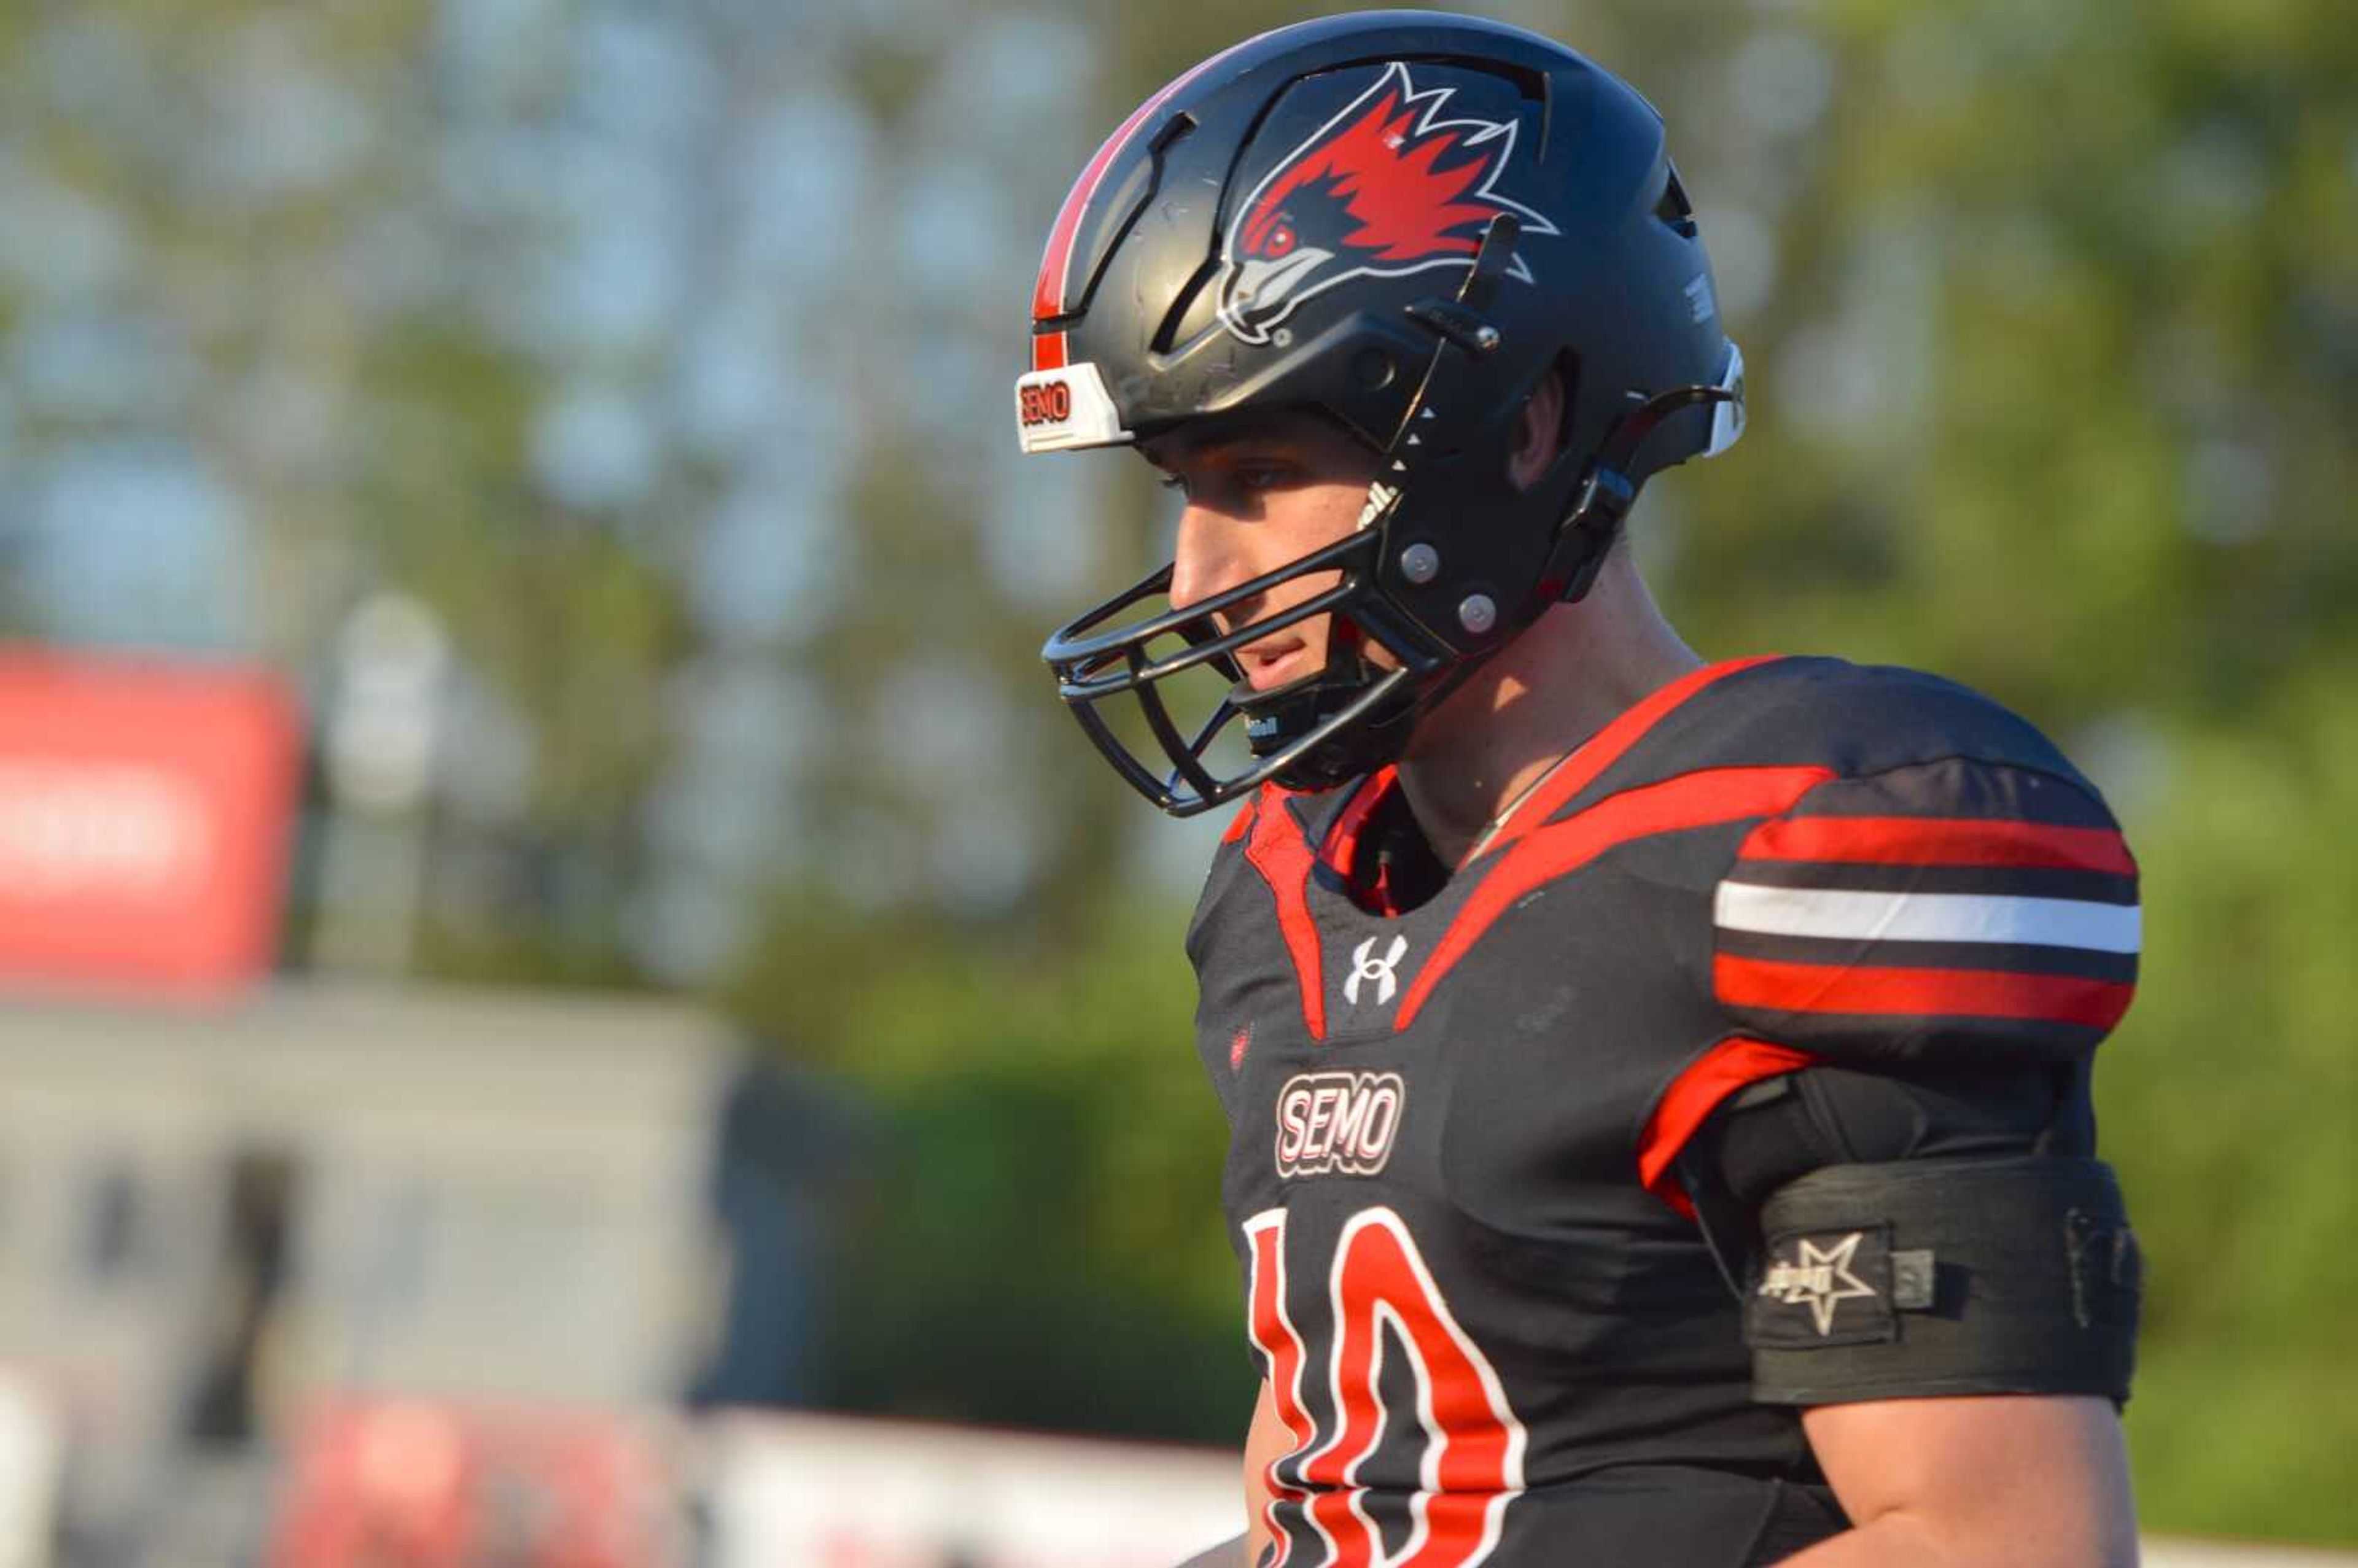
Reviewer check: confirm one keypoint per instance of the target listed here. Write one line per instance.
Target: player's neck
(1579, 669)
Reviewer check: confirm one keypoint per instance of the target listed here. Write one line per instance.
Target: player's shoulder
(1858, 720)
(1950, 889)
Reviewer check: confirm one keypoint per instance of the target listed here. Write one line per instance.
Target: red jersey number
(1473, 1458)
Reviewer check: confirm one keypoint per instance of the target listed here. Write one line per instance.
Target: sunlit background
(558, 945)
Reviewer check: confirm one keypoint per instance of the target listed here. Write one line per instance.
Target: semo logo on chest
(1338, 1121)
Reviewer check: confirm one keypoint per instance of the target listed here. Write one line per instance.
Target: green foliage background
(2119, 500)
(2055, 373)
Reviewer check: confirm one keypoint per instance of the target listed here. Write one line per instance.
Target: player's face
(1260, 494)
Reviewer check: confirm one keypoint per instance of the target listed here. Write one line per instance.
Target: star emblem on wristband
(1818, 1278)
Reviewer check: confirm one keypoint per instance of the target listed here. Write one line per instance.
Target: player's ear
(1539, 433)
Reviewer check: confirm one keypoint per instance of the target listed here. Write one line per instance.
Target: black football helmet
(1405, 220)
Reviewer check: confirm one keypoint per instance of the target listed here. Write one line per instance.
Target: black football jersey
(1483, 1307)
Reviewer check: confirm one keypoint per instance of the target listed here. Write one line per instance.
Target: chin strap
(1605, 496)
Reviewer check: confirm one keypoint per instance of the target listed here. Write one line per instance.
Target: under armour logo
(1366, 966)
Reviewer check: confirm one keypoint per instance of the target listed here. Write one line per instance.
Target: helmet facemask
(1355, 713)
(1291, 734)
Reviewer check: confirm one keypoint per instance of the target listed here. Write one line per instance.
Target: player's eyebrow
(1215, 442)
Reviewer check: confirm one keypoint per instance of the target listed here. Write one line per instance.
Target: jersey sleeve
(1915, 966)
(1947, 914)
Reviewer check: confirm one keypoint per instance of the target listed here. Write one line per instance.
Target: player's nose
(1206, 559)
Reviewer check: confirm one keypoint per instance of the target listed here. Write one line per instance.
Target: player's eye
(1173, 482)
(1262, 476)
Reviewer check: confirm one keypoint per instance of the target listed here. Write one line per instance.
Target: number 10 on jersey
(1470, 1464)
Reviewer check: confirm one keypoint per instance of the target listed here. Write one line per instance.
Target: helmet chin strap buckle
(1605, 496)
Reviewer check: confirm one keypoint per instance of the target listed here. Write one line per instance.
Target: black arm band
(2015, 1274)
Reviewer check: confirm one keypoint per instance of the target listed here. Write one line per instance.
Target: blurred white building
(211, 1222)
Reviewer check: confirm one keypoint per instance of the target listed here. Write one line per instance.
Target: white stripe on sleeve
(1927, 917)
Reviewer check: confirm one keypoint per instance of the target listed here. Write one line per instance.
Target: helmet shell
(1392, 137)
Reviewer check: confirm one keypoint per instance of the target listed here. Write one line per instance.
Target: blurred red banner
(391, 1483)
(145, 813)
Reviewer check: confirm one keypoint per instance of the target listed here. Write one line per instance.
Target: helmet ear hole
(1534, 469)
(1565, 368)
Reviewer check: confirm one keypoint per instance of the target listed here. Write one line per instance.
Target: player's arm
(2022, 1481)
(1935, 1268)
(1948, 1291)
(1268, 1441)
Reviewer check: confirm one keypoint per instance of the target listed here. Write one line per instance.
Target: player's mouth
(1272, 662)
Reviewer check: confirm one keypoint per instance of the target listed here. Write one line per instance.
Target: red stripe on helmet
(1050, 296)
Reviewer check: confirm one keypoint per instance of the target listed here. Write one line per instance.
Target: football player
(1660, 1090)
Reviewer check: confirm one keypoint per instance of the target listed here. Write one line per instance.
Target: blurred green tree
(2056, 345)
(664, 352)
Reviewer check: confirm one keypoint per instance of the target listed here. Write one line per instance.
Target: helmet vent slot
(1194, 309)
(1674, 210)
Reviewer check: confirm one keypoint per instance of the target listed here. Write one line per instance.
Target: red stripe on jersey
(1607, 746)
(1939, 841)
(1691, 800)
(1922, 993)
(1342, 850)
(1050, 295)
(1281, 852)
(1274, 1335)
(1694, 1094)
(1239, 823)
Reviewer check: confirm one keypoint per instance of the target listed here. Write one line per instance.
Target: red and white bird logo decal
(1384, 189)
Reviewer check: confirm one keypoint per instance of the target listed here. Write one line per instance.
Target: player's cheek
(1319, 630)
(1311, 585)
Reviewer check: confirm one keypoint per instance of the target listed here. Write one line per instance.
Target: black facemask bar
(1093, 665)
